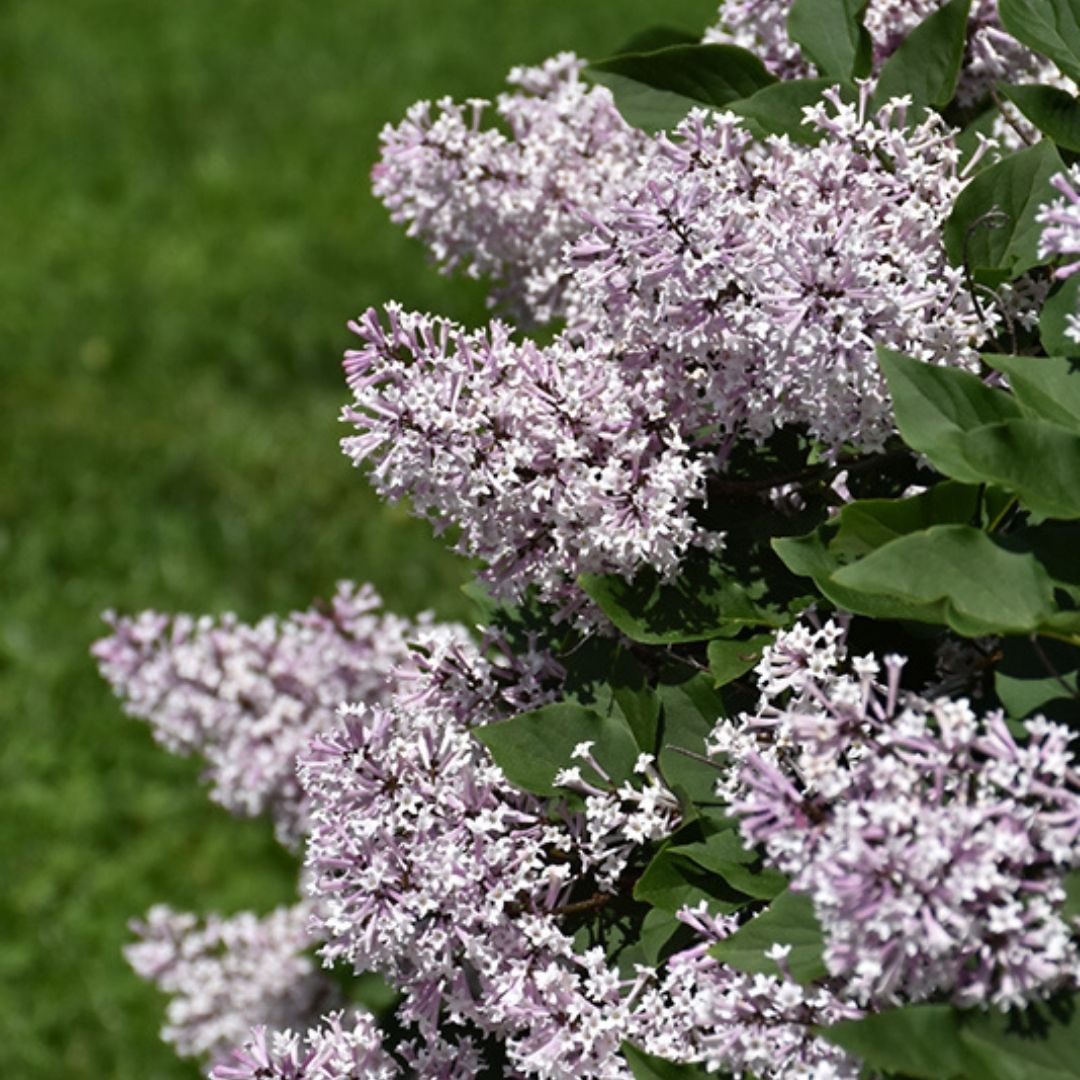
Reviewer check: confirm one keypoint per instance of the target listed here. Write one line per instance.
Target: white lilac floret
(249, 697)
(933, 843)
(225, 975)
(502, 204)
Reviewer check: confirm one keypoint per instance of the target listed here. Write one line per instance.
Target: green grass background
(185, 226)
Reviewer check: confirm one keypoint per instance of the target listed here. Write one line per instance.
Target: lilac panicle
(346, 1046)
(551, 461)
(249, 697)
(224, 975)
(774, 307)
(932, 843)
(504, 205)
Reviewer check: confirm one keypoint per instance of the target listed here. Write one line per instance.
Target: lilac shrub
(665, 813)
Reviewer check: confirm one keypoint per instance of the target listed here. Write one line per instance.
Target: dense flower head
(552, 461)
(248, 698)
(503, 204)
(758, 1025)
(345, 1046)
(225, 975)
(1060, 236)
(1061, 223)
(992, 55)
(431, 869)
(933, 843)
(770, 272)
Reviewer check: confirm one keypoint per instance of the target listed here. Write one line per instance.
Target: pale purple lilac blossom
(503, 205)
(345, 1046)
(592, 454)
(430, 869)
(248, 698)
(224, 975)
(552, 461)
(767, 312)
(933, 844)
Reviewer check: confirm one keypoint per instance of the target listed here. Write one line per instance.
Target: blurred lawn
(185, 226)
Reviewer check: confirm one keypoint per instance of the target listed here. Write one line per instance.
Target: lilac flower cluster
(772, 309)
(343, 1047)
(431, 869)
(504, 205)
(760, 1025)
(248, 698)
(226, 975)
(551, 461)
(592, 454)
(992, 55)
(1061, 235)
(933, 844)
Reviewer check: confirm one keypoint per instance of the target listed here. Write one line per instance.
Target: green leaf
(934, 406)
(832, 36)
(992, 227)
(938, 1042)
(1037, 460)
(1046, 386)
(1037, 677)
(661, 934)
(728, 659)
(983, 587)
(1041, 1043)
(532, 747)
(927, 62)
(788, 920)
(920, 1041)
(1050, 27)
(778, 109)
(647, 1067)
(673, 881)
(641, 709)
(864, 526)
(1054, 320)
(691, 708)
(704, 602)
(655, 90)
(722, 853)
(1055, 112)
